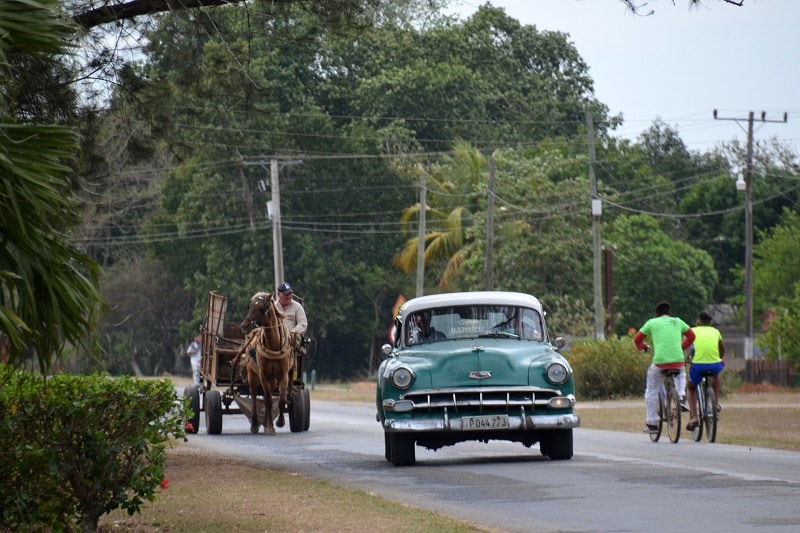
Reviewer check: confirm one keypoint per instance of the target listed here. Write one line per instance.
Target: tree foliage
(782, 338)
(48, 288)
(351, 104)
(650, 267)
(776, 285)
(775, 263)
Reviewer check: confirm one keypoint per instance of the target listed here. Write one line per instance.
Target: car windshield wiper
(495, 334)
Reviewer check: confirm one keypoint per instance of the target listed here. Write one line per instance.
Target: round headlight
(557, 373)
(402, 377)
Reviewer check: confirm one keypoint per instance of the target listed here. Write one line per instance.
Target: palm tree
(48, 289)
(455, 189)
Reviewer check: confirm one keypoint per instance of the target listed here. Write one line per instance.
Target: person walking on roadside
(195, 354)
(709, 352)
(670, 336)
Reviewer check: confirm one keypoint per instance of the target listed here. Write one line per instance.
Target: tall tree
(455, 188)
(776, 263)
(48, 288)
(650, 266)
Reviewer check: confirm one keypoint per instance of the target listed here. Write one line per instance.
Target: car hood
(476, 363)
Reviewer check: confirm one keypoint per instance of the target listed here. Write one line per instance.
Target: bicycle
(669, 407)
(707, 416)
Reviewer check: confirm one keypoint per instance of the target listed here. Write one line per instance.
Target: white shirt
(295, 318)
(194, 351)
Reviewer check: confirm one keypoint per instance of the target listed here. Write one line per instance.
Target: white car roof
(471, 298)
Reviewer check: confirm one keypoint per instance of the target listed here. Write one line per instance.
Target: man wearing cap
(708, 354)
(295, 316)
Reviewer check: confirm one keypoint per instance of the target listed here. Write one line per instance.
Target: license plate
(473, 423)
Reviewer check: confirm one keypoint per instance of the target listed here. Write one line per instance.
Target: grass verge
(242, 497)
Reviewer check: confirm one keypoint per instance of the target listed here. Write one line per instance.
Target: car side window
(531, 325)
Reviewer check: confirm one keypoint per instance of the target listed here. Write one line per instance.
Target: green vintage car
(474, 366)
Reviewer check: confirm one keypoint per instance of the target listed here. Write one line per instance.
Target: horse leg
(269, 427)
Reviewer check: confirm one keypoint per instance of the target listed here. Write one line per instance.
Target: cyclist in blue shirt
(708, 354)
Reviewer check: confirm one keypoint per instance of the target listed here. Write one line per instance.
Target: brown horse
(266, 356)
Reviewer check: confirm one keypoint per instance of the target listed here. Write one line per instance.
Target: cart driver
(294, 314)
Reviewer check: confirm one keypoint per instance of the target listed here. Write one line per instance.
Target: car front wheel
(400, 449)
(557, 444)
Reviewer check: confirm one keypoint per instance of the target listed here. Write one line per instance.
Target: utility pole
(490, 226)
(597, 210)
(274, 214)
(277, 233)
(748, 228)
(423, 190)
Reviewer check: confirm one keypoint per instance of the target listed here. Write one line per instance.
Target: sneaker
(692, 424)
(652, 428)
(684, 405)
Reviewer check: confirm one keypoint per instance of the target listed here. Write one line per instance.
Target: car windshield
(463, 322)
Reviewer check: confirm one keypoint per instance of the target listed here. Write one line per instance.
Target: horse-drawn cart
(221, 343)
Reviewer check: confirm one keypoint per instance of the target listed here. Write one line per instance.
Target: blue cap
(285, 288)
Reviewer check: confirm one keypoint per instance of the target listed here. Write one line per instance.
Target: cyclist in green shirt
(670, 336)
(708, 354)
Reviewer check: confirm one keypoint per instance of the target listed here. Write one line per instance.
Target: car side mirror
(387, 350)
(559, 343)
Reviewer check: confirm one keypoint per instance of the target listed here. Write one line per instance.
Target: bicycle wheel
(697, 432)
(673, 415)
(655, 435)
(710, 415)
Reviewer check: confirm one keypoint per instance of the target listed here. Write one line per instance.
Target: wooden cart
(220, 344)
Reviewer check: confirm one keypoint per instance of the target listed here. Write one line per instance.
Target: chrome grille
(501, 399)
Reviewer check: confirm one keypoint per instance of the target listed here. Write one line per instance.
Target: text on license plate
(469, 423)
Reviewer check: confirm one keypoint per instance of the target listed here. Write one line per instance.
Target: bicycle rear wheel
(710, 416)
(697, 432)
(655, 435)
(673, 415)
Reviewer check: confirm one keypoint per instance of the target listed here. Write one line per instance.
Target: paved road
(616, 481)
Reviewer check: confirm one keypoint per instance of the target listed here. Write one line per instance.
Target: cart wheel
(193, 423)
(297, 411)
(307, 401)
(213, 412)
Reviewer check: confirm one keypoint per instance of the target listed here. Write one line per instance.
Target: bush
(608, 369)
(730, 382)
(73, 448)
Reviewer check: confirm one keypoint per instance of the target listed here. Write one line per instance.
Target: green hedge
(73, 448)
(614, 369)
(609, 369)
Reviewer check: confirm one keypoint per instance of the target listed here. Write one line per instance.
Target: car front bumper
(523, 422)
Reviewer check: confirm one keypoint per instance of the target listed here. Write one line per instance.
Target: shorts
(696, 372)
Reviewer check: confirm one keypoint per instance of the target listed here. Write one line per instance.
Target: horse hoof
(280, 422)
(269, 431)
(254, 429)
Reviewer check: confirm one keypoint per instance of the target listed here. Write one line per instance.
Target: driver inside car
(423, 331)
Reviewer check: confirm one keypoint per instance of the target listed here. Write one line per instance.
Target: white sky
(681, 64)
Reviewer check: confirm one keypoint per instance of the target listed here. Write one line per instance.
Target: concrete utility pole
(748, 228)
(274, 214)
(277, 233)
(490, 226)
(597, 210)
(423, 190)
